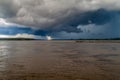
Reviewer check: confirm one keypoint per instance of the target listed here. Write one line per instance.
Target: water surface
(59, 60)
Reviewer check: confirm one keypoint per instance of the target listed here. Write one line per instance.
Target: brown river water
(59, 60)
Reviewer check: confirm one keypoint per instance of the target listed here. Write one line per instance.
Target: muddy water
(59, 60)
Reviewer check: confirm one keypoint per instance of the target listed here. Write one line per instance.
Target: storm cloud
(63, 17)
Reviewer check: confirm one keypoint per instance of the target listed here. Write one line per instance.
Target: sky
(60, 19)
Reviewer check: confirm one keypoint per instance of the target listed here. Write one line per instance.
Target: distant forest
(56, 39)
(103, 39)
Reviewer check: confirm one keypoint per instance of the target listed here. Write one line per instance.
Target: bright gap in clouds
(18, 36)
(48, 37)
(4, 36)
(29, 36)
(4, 22)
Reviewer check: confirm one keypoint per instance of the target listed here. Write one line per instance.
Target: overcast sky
(60, 19)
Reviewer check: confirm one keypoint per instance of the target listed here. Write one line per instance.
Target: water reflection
(4, 53)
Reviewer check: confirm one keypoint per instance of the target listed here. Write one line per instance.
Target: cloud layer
(47, 13)
(60, 17)
(18, 36)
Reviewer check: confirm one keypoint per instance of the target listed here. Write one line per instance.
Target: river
(59, 60)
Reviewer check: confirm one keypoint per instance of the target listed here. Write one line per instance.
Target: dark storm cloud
(8, 9)
(50, 13)
(60, 17)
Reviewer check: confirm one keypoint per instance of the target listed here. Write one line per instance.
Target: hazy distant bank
(98, 41)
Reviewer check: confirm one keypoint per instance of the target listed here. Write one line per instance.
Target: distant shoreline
(77, 41)
(98, 41)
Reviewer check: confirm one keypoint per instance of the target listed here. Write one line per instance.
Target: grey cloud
(63, 17)
(90, 31)
(47, 13)
(8, 9)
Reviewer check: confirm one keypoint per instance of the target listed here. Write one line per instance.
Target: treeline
(102, 39)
